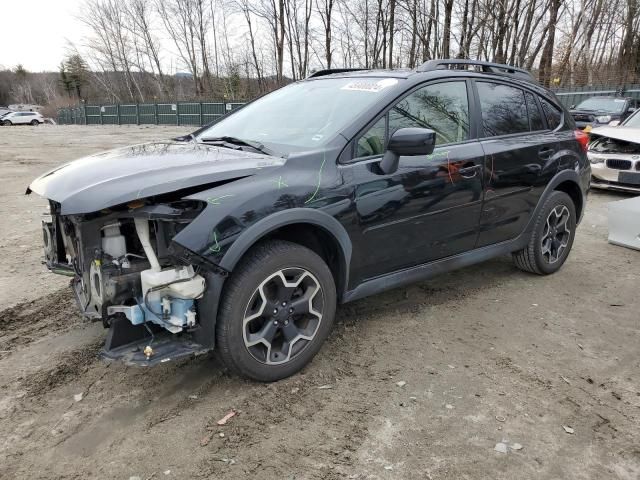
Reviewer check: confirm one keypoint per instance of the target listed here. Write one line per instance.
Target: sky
(36, 33)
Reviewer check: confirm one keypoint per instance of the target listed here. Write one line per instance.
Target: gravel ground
(416, 383)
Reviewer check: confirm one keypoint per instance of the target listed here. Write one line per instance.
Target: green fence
(201, 113)
(574, 95)
(178, 113)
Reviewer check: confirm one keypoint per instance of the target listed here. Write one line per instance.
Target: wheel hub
(283, 316)
(556, 234)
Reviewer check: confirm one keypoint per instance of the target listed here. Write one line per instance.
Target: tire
(252, 339)
(552, 237)
(7, 123)
(35, 123)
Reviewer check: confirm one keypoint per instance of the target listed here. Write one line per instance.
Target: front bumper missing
(127, 343)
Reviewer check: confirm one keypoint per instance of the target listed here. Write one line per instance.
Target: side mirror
(614, 123)
(407, 142)
(572, 106)
(631, 109)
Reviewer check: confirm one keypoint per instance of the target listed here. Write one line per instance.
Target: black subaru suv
(245, 235)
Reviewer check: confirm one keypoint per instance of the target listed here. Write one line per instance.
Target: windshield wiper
(221, 141)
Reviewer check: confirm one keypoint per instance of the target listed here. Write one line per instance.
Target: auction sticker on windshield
(369, 85)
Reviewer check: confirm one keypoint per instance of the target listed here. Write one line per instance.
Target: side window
(504, 110)
(535, 118)
(373, 142)
(552, 114)
(441, 107)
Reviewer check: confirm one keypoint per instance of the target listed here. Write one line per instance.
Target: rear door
(520, 158)
(430, 207)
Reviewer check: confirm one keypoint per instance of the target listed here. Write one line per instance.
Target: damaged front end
(614, 153)
(128, 274)
(123, 225)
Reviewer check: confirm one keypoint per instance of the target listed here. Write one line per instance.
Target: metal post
(201, 121)
(177, 113)
(155, 112)
(137, 114)
(100, 110)
(118, 112)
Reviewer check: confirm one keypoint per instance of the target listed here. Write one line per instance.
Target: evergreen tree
(64, 80)
(77, 73)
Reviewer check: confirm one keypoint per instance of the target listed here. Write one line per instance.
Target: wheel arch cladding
(308, 227)
(571, 188)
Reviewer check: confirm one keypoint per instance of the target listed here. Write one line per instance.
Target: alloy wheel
(283, 316)
(556, 234)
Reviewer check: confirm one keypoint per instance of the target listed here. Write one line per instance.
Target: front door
(430, 207)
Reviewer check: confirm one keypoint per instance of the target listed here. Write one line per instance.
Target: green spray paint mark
(215, 248)
(313, 196)
(280, 183)
(216, 200)
(433, 156)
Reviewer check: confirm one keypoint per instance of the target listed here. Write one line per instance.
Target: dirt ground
(489, 354)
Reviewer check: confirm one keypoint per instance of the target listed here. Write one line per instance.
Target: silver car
(614, 153)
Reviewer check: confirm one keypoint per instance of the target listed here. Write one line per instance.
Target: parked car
(614, 153)
(597, 111)
(244, 235)
(22, 118)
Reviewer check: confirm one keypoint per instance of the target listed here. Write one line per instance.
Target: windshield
(301, 116)
(609, 105)
(633, 120)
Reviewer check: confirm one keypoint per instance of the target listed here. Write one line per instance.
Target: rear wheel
(552, 236)
(277, 310)
(35, 123)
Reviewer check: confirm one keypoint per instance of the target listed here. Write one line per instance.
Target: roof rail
(487, 67)
(329, 71)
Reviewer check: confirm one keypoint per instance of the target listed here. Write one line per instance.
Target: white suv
(21, 118)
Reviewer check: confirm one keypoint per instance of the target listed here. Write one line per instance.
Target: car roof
(372, 73)
(417, 74)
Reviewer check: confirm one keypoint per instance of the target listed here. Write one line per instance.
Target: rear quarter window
(552, 113)
(535, 117)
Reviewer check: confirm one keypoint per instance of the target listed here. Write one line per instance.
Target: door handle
(546, 152)
(469, 172)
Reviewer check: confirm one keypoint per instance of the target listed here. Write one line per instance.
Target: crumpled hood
(118, 176)
(627, 134)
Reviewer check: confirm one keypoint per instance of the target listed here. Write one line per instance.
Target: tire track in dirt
(67, 367)
(29, 321)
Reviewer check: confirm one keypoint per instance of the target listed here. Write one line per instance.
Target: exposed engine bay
(123, 264)
(603, 144)
(614, 154)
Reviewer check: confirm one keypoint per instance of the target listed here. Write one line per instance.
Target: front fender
(289, 217)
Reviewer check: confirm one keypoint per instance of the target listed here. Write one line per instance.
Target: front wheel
(7, 123)
(552, 236)
(277, 309)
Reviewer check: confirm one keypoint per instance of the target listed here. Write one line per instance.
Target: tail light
(583, 139)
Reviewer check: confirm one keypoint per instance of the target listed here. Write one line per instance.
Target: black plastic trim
(422, 272)
(289, 217)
